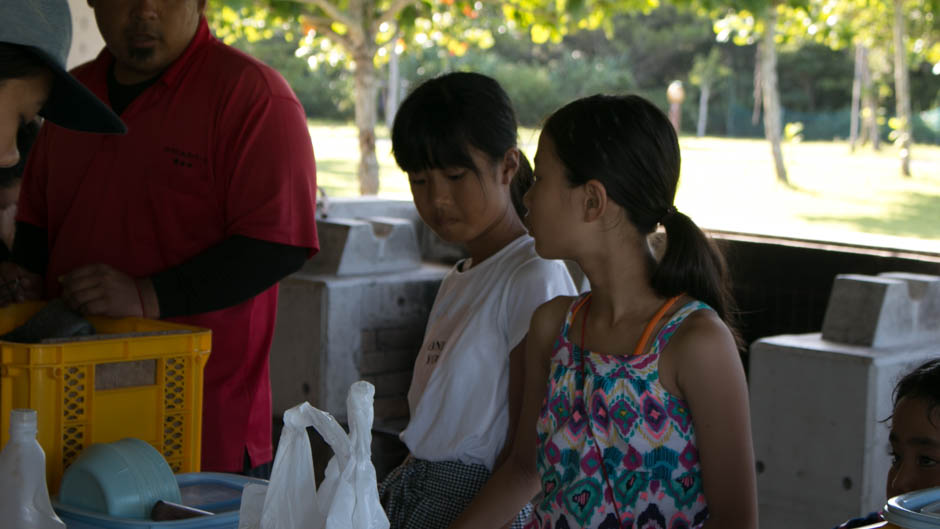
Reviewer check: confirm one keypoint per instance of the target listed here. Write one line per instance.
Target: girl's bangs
(427, 143)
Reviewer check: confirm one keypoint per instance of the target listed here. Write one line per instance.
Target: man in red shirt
(193, 216)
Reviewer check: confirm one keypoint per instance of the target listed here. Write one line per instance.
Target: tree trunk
(366, 117)
(732, 101)
(702, 109)
(856, 97)
(394, 83)
(870, 129)
(771, 95)
(902, 90)
(758, 84)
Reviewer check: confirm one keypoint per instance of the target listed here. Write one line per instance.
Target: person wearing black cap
(35, 37)
(195, 214)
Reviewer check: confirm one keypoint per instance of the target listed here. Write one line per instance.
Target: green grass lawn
(729, 184)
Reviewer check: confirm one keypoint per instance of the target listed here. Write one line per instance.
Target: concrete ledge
(817, 412)
(887, 310)
(365, 246)
(332, 331)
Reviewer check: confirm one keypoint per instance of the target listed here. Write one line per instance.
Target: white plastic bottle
(24, 498)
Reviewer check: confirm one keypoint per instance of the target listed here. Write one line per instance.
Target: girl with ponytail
(635, 408)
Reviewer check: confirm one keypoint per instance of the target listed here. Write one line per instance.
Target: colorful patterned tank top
(626, 448)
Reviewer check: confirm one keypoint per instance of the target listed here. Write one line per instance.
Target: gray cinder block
(365, 246)
(818, 412)
(819, 402)
(332, 331)
(887, 310)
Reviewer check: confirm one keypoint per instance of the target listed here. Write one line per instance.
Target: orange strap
(574, 312)
(641, 345)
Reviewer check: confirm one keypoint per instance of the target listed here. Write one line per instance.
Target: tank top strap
(573, 312)
(666, 332)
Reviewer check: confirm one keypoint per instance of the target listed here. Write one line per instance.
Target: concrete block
(924, 292)
(390, 383)
(888, 310)
(391, 303)
(384, 360)
(390, 409)
(365, 246)
(431, 246)
(299, 336)
(333, 330)
(398, 338)
(817, 412)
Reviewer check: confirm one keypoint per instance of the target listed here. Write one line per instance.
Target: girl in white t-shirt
(455, 136)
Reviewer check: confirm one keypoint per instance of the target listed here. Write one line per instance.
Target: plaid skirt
(423, 494)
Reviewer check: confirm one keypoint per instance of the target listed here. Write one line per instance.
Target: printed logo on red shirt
(184, 158)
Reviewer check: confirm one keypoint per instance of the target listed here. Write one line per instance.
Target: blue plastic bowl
(915, 510)
(123, 479)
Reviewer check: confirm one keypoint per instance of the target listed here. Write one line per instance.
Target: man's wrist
(149, 304)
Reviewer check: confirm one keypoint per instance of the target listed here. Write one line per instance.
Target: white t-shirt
(459, 389)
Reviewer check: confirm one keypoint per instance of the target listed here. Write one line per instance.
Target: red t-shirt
(217, 147)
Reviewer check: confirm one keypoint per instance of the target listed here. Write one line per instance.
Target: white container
(915, 510)
(24, 498)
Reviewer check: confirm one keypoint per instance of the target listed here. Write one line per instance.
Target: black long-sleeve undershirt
(224, 275)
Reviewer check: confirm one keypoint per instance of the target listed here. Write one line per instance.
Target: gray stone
(384, 360)
(888, 310)
(361, 207)
(924, 293)
(432, 247)
(365, 246)
(332, 331)
(392, 383)
(394, 338)
(817, 416)
(819, 402)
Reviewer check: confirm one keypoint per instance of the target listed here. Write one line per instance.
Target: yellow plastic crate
(99, 391)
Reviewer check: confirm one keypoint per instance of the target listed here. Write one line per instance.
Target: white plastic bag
(355, 502)
(348, 496)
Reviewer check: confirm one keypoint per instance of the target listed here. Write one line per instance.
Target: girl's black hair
(441, 118)
(921, 383)
(629, 146)
(17, 62)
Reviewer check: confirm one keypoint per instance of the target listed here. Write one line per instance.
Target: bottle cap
(23, 420)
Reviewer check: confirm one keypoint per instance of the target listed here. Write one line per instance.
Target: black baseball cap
(45, 28)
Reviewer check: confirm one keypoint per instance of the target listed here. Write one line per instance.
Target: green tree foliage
(639, 51)
(359, 33)
(538, 79)
(897, 35)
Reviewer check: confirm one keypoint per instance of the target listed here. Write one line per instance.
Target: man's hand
(18, 284)
(101, 290)
(8, 225)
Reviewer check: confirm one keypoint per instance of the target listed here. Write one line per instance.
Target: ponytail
(693, 264)
(521, 182)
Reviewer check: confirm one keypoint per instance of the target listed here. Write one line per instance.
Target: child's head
(628, 146)
(455, 136)
(915, 431)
